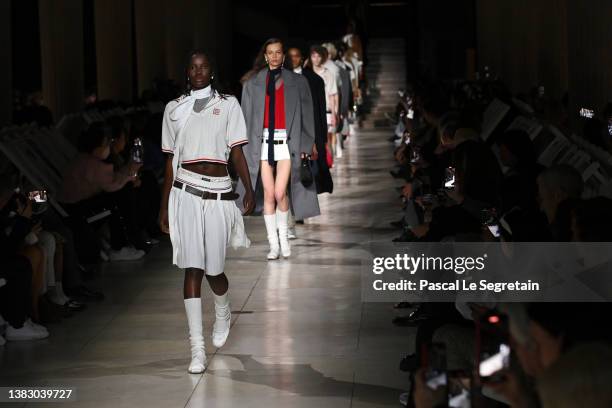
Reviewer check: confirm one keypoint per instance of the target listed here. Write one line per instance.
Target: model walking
(202, 131)
(277, 107)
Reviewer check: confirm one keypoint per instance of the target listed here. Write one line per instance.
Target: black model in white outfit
(203, 219)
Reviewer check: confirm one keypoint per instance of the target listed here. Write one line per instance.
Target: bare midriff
(207, 168)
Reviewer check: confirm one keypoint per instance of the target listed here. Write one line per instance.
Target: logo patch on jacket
(216, 111)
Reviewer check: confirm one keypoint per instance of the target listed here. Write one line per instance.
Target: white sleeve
(333, 85)
(168, 135)
(236, 126)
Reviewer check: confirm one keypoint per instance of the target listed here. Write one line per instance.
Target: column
(6, 80)
(113, 20)
(61, 47)
(150, 34)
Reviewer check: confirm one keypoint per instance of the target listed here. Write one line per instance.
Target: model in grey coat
(299, 122)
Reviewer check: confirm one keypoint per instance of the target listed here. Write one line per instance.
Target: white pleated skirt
(201, 230)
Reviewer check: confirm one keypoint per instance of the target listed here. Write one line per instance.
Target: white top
(331, 65)
(331, 86)
(205, 136)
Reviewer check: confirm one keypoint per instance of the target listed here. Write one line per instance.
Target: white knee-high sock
(193, 308)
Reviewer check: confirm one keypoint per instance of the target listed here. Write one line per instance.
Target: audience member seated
(559, 188)
(85, 191)
(21, 275)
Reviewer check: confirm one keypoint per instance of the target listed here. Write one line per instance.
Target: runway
(300, 337)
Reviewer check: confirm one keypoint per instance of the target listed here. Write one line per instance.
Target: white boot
(270, 220)
(223, 319)
(193, 307)
(338, 146)
(283, 233)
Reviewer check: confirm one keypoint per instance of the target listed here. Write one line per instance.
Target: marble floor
(301, 337)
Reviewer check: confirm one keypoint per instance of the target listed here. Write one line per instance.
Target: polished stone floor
(301, 337)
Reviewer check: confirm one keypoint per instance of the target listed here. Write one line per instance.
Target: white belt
(278, 133)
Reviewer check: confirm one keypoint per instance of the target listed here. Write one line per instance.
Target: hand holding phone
(493, 347)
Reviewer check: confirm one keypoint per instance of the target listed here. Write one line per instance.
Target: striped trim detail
(203, 159)
(201, 188)
(167, 150)
(239, 142)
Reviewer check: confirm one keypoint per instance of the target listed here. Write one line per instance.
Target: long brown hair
(260, 59)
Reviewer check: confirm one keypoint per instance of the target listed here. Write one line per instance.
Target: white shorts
(201, 230)
(281, 150)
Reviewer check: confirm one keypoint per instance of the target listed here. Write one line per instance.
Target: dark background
(65, 48)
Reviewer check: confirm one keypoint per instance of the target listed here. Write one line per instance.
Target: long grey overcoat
(299, 122)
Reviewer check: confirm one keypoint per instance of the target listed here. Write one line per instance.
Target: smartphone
(541, 91)
(449, 177)
(415, 157)
(435, 371)
(587, 113)
(493, 346)
(494, 229)
(410, 114)
(38, 196)
(489, 220)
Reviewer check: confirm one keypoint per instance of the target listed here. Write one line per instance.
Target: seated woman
(84, 185)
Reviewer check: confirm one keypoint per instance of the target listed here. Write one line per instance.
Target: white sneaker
(37, 327)
(27, 332)
(127, 254)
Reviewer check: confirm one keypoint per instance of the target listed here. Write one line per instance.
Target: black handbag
(306, 176)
